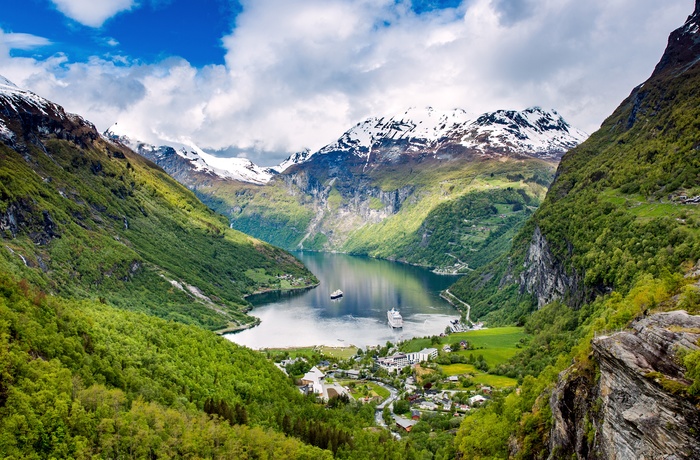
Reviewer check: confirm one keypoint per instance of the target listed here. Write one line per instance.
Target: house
(453, 378)
(446, 348)
(429, 405)
(404, 423)
(314, 378)
(415, 414)
(476, 400)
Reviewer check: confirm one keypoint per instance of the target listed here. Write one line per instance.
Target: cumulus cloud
(297, 74)
(92, 13)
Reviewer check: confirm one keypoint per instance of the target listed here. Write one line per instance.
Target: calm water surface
(371, 288)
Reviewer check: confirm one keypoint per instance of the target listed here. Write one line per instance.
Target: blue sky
(157, 30)
(265, 78)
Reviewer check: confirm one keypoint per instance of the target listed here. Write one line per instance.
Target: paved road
(393, 394)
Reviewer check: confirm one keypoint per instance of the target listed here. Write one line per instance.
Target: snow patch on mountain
(423, 127)
(534, 132)
(293, 159)
(240, 169)
(15, 97)
(18, 100)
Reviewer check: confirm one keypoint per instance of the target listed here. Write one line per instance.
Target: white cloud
(22, 41)
(298, 74)
(92, 13)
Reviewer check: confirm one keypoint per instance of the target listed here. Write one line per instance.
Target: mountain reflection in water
(370, 286)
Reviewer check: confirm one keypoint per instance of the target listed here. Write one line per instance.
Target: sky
(266, 78)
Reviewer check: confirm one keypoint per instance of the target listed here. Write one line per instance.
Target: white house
(314, 378)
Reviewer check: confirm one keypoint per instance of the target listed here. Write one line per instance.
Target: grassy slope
(126, 229)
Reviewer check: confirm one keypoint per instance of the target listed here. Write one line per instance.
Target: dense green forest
(79, 378)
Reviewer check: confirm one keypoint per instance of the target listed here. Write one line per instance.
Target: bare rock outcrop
(637, 408)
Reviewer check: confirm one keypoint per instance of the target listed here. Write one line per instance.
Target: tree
(401, 406)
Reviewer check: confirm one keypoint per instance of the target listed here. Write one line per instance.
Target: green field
(496, 381)
(363, 388)
(338, 352)
(496, 346)
(459, 369)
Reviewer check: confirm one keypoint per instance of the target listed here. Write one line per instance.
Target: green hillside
(620, 230)
(619, 207)
(97, 221)
(79, 379)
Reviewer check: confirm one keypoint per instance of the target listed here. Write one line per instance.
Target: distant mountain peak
(18, 105)
(532, 132)
(192, 157)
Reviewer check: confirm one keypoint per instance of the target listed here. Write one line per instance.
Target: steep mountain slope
(83, 217)
(387, 187)
(607, 263)
(624, 202)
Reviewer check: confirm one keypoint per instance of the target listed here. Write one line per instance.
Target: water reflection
(370, 287)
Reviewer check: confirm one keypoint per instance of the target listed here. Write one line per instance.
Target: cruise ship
(395, 319)
(336, 294)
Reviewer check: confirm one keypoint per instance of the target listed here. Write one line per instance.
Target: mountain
(191, 165)
(83, 217)
(388, 185)
(605, 275)
(443, 134)
(110, 275)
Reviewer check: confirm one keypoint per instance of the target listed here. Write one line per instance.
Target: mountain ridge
(532, 132)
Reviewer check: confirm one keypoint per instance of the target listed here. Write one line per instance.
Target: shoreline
(257, 321)
(267, 291)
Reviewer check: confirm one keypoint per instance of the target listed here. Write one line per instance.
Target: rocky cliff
(637, 408)
(544, 276)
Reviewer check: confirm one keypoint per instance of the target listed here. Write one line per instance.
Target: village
(447, 378)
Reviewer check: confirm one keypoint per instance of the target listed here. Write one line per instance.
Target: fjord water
(370, 286)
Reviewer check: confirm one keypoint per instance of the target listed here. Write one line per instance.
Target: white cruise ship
(394, 317)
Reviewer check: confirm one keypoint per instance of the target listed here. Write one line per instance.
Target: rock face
(544, 276)
(641, 418)
(635, 410)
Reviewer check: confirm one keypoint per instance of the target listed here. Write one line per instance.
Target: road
(393, 394)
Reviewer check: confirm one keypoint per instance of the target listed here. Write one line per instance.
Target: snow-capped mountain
(533, 132)
(19, 105)
(187, 156)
